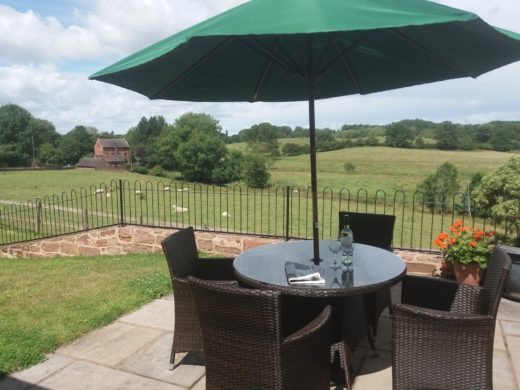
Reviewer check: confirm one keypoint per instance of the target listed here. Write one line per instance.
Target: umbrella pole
(314, 180)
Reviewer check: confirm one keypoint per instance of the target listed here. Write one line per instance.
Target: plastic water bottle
(347, 239)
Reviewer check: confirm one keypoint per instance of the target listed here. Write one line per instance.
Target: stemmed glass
(334, 247)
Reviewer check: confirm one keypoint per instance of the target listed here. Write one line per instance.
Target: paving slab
(511, 328)
(83, 375)
(24, 379)
(376, 373)
(498, 342)
(513, 345)
(153, 361)
(158, 314)
(503, 377)
(509, 310)
(111, 344)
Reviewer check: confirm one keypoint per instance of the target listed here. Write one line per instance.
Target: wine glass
(334, 247)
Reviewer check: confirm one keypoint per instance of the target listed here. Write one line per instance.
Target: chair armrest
(439, 315)
(433, 293)
(215, 268)
(312, 327)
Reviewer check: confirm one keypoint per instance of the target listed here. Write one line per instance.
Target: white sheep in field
(100, 190)
(179, 209)
(140, 194)
(166, 189)
(109, 194)
(226, 214)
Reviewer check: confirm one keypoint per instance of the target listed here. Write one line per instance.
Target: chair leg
(344, 357)
(371, 342)
(172, 357)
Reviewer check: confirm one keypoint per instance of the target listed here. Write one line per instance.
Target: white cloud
(35, 50)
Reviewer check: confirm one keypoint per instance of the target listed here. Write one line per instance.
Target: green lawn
(45, 303)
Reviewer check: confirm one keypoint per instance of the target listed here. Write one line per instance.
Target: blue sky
(48, 48)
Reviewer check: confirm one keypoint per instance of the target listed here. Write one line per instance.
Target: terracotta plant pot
(470, 274)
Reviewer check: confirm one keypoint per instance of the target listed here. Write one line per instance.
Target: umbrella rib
(345, 51)
(446, 61)
(267, 67)
(259, 48)
(193, 67)
(324, 55)
(348, 67)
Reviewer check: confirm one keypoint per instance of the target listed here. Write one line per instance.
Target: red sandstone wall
(138, 239)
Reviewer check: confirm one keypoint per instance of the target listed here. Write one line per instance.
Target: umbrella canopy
(290, 50)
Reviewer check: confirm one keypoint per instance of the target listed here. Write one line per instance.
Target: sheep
(100, 190)
(166, 189)
(226, 214)
(179, 209)
(109, 194)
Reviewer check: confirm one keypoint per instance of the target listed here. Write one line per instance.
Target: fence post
(121, 208)
(287, 211)
(38, 219)
(85, 219)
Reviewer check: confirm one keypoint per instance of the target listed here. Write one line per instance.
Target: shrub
(255, 172)
(349, 167)
(499, 192)
(139, 169)
(158, 171)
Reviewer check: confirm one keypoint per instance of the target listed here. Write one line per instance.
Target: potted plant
(468, 250)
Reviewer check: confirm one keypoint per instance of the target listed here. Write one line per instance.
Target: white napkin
(314, 278)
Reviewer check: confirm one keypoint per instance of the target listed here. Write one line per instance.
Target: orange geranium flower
(465, 244)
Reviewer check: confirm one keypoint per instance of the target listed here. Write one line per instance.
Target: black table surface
(264, 267)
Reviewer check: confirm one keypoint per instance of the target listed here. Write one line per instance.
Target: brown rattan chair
(442, 333)
(245, 347)
(183, 260)
(376, 230)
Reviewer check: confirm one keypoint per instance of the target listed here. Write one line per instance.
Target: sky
(48, 48)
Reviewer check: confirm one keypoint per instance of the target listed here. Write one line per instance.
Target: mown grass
(46, 303)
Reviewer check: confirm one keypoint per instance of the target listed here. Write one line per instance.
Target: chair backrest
(241, 330)
(180, 249)
(371, 229)
(498, 268)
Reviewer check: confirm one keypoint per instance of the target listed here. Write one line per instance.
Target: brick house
(115, 152)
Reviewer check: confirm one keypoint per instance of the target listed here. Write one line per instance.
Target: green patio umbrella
(290, 50)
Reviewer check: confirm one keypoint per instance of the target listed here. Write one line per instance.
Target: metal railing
(274, 212)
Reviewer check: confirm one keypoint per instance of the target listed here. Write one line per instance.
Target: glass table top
(265, 266)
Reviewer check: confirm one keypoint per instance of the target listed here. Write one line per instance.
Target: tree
(200, 155)
(13, 122)
(230, 168)
(439, 187)
(399, 135)
(499, 192)
(76, 144)
(446, 136)
(256, 174)
(143, 138)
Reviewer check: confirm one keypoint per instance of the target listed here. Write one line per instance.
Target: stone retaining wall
(138, 239)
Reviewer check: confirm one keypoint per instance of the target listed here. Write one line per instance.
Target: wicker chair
(182, 257)
(245, 347)
(442, 334)
(376, 230)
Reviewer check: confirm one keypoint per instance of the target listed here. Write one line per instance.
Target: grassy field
(46, 303)
(375, 168)
(385, 168)
(234, 208)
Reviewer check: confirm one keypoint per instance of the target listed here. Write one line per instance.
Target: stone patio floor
(133, 353)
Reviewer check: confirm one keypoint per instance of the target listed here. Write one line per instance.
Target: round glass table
(265, 267)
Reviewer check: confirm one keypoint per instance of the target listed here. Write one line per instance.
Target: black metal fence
(275, 212)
